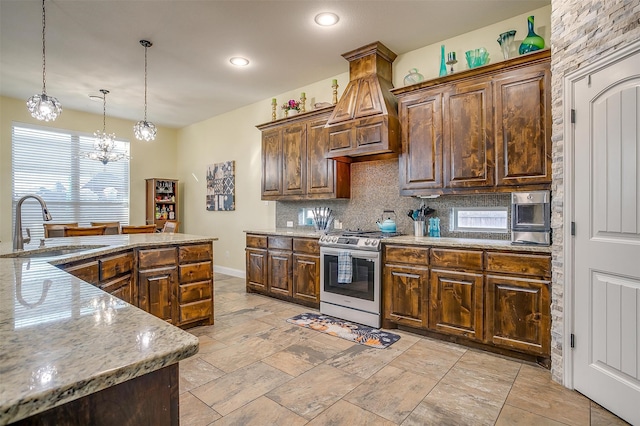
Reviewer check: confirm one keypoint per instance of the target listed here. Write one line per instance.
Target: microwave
(531, 217)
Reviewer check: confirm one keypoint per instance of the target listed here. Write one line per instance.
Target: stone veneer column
(582, 31)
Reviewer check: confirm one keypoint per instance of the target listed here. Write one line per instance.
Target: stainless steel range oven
(350, 269)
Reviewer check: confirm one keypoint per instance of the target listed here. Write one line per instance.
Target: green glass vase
(532, 41)
(443, 62)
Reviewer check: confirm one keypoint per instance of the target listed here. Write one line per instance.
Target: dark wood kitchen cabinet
(522, 102)
(498, 300)
(406, 286)
(195, 291)
(468, 134)
(294, 166)
(482, 130)
(518, 302)
(457, 306)
(306, 271)
(113, 274)
(284, 267)
(158, 282)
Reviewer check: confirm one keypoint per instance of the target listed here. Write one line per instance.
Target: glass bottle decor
(413, 77)
(443, 62)
(532, 41)
(506, 42)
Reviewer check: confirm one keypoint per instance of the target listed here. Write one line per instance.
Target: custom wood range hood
(365, 119)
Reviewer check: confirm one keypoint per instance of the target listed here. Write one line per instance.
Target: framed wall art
(221, 186)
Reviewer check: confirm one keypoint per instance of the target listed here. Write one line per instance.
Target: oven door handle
(357, 254)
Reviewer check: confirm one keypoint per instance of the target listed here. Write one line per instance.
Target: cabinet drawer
(195, 291)
(154, 258)
(195, 253)
(195, 272)
(519, 263)
(283, 243)
(113, 285)
(456, 259)
(407, 254)
(196, 310)
(114, 266)
(257, 241)
(304, 245)
(85, 271)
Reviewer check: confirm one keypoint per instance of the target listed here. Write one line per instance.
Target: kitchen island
(75, 354)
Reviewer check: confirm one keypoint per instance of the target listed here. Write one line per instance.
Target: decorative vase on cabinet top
(506, 42)
(413, 77)
(443, 62)
(532, 41)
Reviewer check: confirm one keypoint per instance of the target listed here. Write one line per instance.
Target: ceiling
(94, 44)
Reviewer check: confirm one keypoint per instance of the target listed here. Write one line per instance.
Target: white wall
(156, 159)
(233, 136)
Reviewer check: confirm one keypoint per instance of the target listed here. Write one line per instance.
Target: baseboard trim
(229, 271)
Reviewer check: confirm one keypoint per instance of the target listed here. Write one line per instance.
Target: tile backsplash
(375, 188)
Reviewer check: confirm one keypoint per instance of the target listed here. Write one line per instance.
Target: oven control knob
(367, 242)
(334, 239)
(374, 242)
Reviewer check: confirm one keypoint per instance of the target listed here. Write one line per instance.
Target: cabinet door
(523, 119)
(468, 119)
(156, 290)
(456, 303)
(320, 170)
(271, 163)
(518, 314)
(306, 278)
(279, 272)
(294, 151)
(405, 295)
(421, 158)
(257, 270)
(122, 288)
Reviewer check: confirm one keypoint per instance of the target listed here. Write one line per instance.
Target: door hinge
(573, 229)
(573, 340)
(573, 116)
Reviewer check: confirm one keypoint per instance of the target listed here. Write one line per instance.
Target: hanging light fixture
(42, 106)
(104, 142)
(145, 130)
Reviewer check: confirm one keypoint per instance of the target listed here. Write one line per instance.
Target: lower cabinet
(284, 267)
(280, 270)
(174, 283)
(406, 295)
(406, 286)
(496, 299)
(156, 292)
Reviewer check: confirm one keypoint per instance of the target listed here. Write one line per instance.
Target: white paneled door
(606, 363)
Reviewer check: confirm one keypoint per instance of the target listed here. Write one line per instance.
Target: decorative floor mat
(357, 333)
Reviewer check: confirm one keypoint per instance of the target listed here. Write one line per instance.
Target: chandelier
(104, 142)
(145, 130)
(42, 106)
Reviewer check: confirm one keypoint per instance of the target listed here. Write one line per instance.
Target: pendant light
(104, 142)
(145, 130)
(42, 106)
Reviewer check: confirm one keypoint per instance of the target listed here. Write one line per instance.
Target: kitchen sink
(50, 251)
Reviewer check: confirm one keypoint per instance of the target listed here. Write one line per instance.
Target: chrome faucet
(18, 239)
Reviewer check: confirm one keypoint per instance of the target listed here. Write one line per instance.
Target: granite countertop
(63, 338)
(410, 239)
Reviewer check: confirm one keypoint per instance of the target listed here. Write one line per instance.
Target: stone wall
(582, 31)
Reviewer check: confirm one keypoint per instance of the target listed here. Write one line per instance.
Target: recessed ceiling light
(239, 61)
(326, 19)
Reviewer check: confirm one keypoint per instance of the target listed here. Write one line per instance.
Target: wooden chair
(170, 227)
(138, 229)
(79, 231)
(113, 228)
(52, 230)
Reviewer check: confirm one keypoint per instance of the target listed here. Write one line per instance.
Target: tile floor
(254, 368)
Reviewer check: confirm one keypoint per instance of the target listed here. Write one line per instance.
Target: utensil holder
(419, 228)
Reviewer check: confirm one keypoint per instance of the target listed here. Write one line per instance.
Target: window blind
(48, 162)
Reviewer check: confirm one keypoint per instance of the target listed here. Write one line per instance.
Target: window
(47, 162)
(480, 219)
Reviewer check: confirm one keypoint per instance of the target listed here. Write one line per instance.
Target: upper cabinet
(483, 130)
(294, 166)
